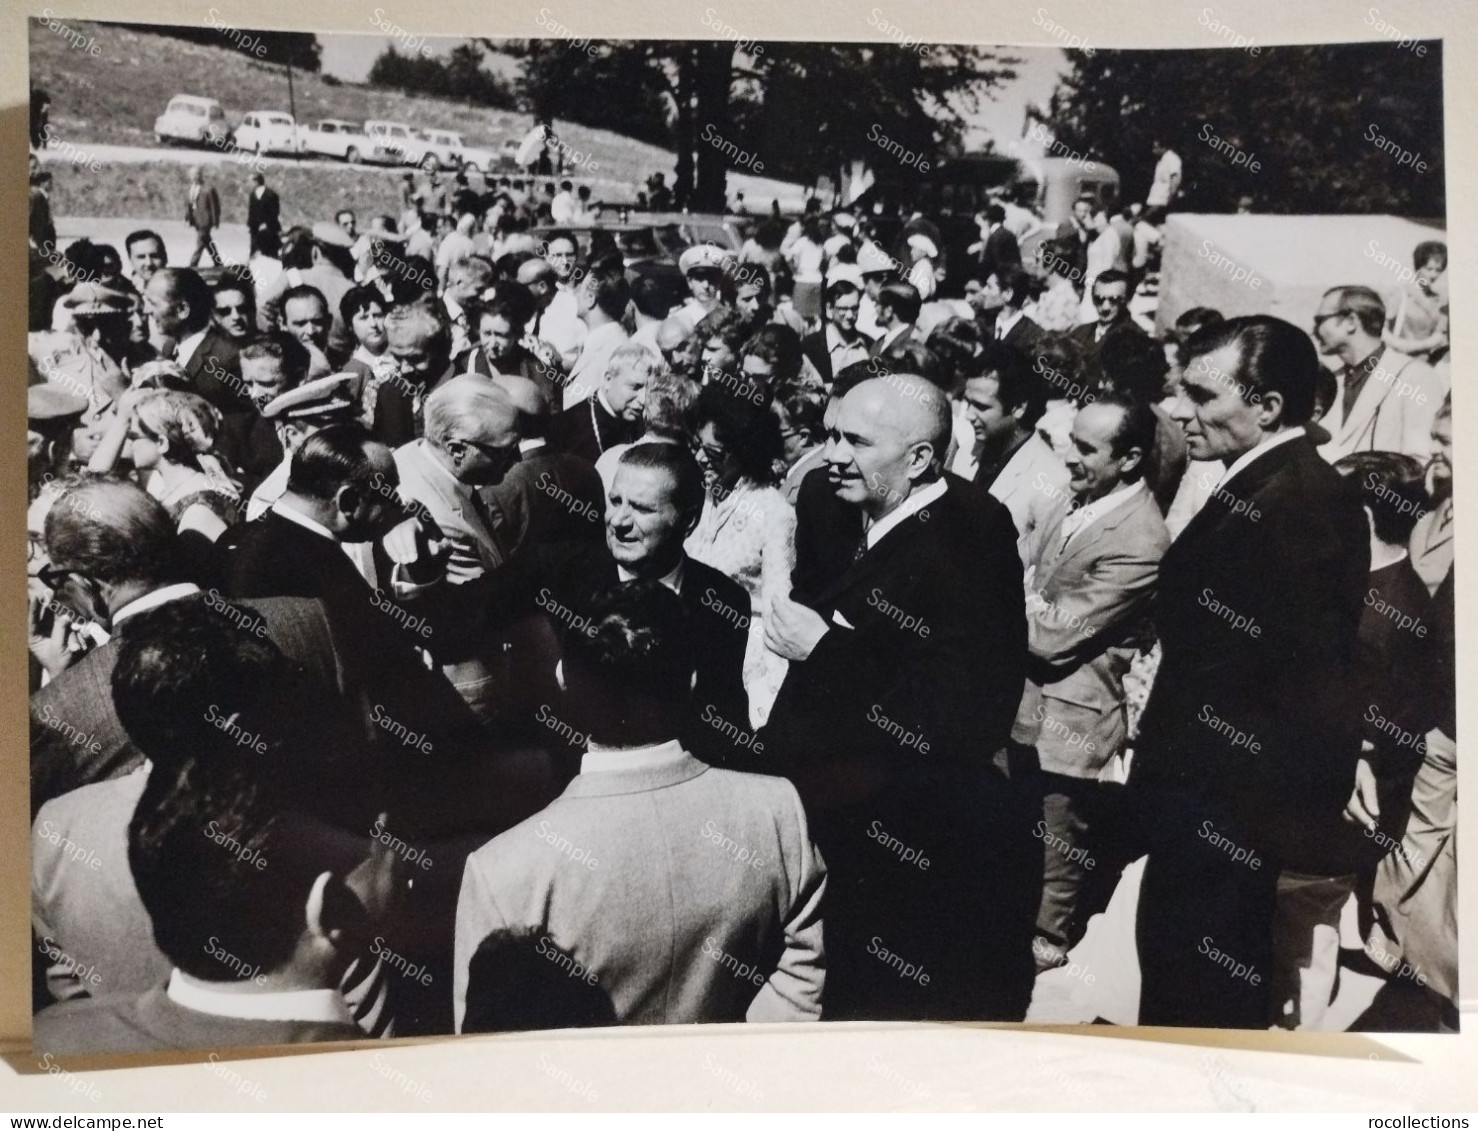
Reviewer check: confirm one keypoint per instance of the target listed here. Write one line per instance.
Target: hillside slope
(114, 97)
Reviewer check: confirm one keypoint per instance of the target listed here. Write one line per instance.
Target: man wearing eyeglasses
(1384, 400)
(1111, 303)
(839, 342)
(471, 441)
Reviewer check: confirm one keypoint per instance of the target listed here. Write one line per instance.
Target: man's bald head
(535, 270)
(916, 410)
(887, 441)
(672, 332)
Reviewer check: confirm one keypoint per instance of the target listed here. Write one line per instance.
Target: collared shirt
(673, 579)
(843, 352)
(1004, 325)
(892, 336)
(189, 345)
(916, 501)
(277, 1005)
(154, 600)
(1082, 517)
(560, 324)
(532, 444)
(1267, 445)
(607, 759)
(1352, 379)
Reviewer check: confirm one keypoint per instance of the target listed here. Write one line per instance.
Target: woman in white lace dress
(747, 529)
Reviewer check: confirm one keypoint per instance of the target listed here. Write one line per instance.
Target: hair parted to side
(1273, 356)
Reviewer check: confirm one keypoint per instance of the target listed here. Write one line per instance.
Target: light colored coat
(687, 893)
(1033, 484)
(1096, 591)
(1393, 412)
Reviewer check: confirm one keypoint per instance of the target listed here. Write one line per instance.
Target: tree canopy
(1326, 125)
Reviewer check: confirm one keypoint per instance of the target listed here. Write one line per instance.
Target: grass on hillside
(113, 98)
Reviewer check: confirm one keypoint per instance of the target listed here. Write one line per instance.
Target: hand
(463, 563)
(409, 546)
(792, 630)
(48, 634)
(1363, 808)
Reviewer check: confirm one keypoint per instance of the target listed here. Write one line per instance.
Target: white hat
(872, 259)
(920, 242)
(323, 396)
(845, 273)
(706, 255)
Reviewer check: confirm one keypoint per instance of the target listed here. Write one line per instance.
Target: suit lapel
(1094, 531)
(1372, 395)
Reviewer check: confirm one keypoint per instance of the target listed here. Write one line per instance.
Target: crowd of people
(437, 626)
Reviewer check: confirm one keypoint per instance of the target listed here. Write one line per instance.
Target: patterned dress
(749, 535)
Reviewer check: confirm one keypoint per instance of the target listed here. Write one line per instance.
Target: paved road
(758, 191)
(178, 236)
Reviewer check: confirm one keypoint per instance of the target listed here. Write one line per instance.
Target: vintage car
(189, 118)
(336, 137)
(268, 131)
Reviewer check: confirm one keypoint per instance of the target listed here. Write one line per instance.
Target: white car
(445, 149)
(193, 119)
(391, 143)
(335, 137)
(268, 131)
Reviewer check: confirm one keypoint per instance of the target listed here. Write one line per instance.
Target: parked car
(268, 131)
(335, 137)
(390, 142)
(193, 119)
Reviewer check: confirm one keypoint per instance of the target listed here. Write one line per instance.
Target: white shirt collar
(287, 512)
(189, 344)
(1003, 325)
(599, 759)
(439, 469)
(453, 308)
(1085, 516)
(673, 579)
(154, 600)
(916, 501)
(277, 1005)
(532, 444)
(1267, 445)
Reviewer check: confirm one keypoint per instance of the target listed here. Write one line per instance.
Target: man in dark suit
(613, 415)
(181, 308)
(420, 340)
(898, 315)
(252, 443)
(1011, 324)
(904, 677)
(1111, 301)
(181, 669)
(263, 216)
(113, 555)
(838, 343)
(997, 250)
(1248, 744)
(203, 213)
(655, 501)
(258, 896)
(547, 496)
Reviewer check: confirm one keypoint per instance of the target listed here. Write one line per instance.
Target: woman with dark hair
(1418, 325)
(747, 529)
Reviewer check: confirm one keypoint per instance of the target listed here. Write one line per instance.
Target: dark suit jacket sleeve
(957, 687)
(719, 688)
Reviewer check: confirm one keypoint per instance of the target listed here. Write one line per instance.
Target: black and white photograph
(538, 533)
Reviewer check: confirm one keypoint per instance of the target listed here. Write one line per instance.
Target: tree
(1320, 123)
(459, 75)
(796, 110)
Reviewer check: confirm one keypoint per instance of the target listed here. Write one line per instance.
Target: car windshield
(194, 109)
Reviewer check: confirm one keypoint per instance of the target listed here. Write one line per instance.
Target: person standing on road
(203, 213)
(263, 216)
